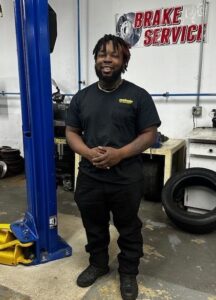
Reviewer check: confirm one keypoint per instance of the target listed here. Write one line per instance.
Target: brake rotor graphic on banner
(125, 29)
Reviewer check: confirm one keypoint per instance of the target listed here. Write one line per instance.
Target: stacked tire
(173, 200)
(11, 162)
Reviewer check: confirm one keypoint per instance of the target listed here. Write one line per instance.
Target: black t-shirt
(113, 119)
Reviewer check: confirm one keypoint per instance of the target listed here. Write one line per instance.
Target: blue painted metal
(40, 221)
(5, 94)
(25, 230)
(11, 93)
(167, 94)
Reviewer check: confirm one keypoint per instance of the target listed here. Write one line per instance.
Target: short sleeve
(147, 115)
(72, 118)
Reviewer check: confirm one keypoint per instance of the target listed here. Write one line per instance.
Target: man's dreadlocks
(117, 42)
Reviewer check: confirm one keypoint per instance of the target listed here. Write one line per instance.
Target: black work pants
(95, 200)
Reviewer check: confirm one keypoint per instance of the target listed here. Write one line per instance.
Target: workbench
(169, 149)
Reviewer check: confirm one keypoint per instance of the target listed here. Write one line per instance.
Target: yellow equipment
(11, 249)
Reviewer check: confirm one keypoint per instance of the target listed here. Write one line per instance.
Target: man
(110, 123)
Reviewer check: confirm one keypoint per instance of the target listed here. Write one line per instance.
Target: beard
(109, 79)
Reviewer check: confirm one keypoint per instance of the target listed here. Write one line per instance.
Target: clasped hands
(105, 157)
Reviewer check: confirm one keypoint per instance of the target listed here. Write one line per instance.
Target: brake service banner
(165, 26)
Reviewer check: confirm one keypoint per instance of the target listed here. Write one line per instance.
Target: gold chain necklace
(112, 90)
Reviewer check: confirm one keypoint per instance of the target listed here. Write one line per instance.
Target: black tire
(5, 147)
(173, 200)
(10, 154)
(10, 151)
(10, 158)
(2, 148)
(14, 162)
(3, 169)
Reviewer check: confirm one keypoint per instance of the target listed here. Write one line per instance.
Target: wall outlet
(197, 111)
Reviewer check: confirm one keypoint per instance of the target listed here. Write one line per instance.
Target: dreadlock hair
(117, 42)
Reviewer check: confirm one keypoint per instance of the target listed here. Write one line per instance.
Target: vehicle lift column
(39, 224)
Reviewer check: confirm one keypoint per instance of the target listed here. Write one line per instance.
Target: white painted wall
(157, 69)
(172, 69)
(64, 65)
(10, 120)
(64, 62)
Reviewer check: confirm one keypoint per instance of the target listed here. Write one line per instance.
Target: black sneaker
(90, 275)
(128, 287)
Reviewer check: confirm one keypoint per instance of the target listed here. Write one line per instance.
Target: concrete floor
(176, 265)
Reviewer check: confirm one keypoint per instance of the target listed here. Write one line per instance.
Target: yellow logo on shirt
(125, 101)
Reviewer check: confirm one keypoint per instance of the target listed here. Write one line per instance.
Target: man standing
(110, 123)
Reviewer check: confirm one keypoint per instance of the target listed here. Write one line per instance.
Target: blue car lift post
(39, 224)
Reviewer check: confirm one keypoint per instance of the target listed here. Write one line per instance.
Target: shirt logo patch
(126, 101)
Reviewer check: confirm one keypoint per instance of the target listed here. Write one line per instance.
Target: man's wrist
(86, 153)
(122, 153)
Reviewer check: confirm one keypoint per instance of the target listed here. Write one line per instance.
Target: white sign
(164, 26)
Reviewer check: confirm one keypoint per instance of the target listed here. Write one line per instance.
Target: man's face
(109, 63)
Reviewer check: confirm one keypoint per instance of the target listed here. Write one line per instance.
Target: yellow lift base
(11, 249)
